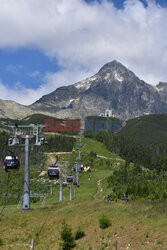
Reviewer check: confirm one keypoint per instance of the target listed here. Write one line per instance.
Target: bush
(1, 242)
(93, 154)
(67, 237)
(79, 234)
(104, 222)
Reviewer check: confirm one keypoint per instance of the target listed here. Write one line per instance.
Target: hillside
(150, 129)
(135, 225)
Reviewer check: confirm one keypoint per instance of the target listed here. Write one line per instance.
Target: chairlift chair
(13, 141)
(126, 197)
(82, 167)
(53, 172)
(12, 163)
(70, 178)
(64, 183)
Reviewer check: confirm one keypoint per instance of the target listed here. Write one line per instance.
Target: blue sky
(120, 3)
(46, 44)
(25, 66)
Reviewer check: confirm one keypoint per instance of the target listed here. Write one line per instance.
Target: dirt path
(104, 157)
(99, 189)
(51, 158)
(58, 153)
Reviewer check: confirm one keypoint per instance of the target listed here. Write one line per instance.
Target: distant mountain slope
(14, 110)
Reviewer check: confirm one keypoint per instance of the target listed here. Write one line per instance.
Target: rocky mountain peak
(113, 65)
(116, 71)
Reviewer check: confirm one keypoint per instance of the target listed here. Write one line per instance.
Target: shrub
(67, 237)
(159, 242)
(1, 242)
(93, 154)
(104, 222)
(79, 234)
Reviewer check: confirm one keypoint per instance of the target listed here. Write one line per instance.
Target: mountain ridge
(113, 87)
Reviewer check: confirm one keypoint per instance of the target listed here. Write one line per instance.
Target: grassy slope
(137, 225)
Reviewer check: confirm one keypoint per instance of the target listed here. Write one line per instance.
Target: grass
(45, 225)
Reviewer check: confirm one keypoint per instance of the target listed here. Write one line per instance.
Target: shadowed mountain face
(113, 87)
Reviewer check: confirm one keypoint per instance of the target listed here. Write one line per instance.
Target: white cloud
(51, 81)
(84, 36)
(19, 93)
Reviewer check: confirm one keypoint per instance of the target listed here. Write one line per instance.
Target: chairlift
(75, 182)
(109, 197)
(53, 172)
(70, 178)
(64, 183)
(10, 140)
(12, 163)
(82, 167)
(42, 141)
(13, 141)
(125, 197)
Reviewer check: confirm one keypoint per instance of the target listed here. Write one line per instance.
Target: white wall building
(107, 113)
